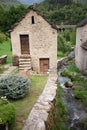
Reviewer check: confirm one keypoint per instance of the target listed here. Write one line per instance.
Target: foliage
(57, 11)
(7, 112)
(63, 45)
(14, 86)
(2, 37)
(5, 49)
(71, 72)
(64, 11)
(66, 40)
(79, 82)
(3, 100)
(73, 68)
(81, 93)
(8, 3)
(57, 117)
(60, 54)
(9, 17)
(36, 87)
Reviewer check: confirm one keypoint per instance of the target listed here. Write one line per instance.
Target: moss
(79, 81)
(57, 116)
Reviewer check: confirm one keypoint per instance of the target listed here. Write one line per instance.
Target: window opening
(32, 20)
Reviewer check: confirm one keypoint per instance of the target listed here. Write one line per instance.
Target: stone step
(23, 63)
(22, 68)
(24, 60)
(25, 56)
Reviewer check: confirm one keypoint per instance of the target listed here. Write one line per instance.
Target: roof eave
(32, 7)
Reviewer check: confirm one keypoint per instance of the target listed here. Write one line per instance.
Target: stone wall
(42, 39)
(80, 53)
(15, 60)
(39, 114)
(61, 61)
(3, 59)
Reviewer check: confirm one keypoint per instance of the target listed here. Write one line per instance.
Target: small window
(32, 20)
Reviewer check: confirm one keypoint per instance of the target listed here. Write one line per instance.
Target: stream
(76, 112)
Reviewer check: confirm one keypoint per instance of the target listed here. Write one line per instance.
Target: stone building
(34, 42)
(81, 46)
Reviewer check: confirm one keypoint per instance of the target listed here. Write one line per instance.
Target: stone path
(10, 70)
(39, 114)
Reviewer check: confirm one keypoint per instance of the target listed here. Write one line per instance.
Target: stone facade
(81, 50)
(42, 39)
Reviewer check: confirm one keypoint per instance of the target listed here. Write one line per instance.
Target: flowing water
(76, 112)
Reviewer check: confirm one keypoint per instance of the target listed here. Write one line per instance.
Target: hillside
(83, 1)
(63, 11)
(29, 1)
(8, 3)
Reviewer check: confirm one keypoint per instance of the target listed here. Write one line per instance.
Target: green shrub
(57, 117)
(61, 54)
(73, 68)
(7, 112)
(2, 37)
(14, 86)
(79, 81)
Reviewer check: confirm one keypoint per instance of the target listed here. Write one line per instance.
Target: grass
(61, 54)
(5, 49)
(57, 117)
(24, 106)
(2, 69)
(37, 83)
(79, 81)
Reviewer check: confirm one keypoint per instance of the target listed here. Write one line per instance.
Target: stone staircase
(25, 62)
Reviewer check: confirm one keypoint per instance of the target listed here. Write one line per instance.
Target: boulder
(3, 59)
(68, 84)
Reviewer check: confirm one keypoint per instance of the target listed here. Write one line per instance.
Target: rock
(3, 59)
(72, 54)
(68, 84)
(40, 125)
(39, 113)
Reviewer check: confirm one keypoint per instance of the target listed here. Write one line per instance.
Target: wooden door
(24, 40)
(44, 65)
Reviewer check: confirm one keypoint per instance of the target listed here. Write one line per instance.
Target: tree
(12, 15)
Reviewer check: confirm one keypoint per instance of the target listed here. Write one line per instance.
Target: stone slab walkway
(10, 70)
(39, 114)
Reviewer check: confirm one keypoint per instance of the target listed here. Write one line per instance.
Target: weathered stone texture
(39, 114)
(42, 39)
(80, 53)
(15, 60)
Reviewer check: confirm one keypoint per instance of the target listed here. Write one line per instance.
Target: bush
(57, 117)
(2, 37)
(14, 86)
(63, 45)
(7, 112)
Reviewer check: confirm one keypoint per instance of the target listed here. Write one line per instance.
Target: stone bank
(39, 114)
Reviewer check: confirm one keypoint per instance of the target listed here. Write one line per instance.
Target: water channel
(76, 112)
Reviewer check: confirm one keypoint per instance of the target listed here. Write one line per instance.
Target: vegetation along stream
(75, 110)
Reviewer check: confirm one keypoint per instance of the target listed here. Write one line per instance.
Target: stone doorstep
(39, 114)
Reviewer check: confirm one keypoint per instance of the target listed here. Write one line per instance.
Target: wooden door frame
(40, 63)
(21, 43)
